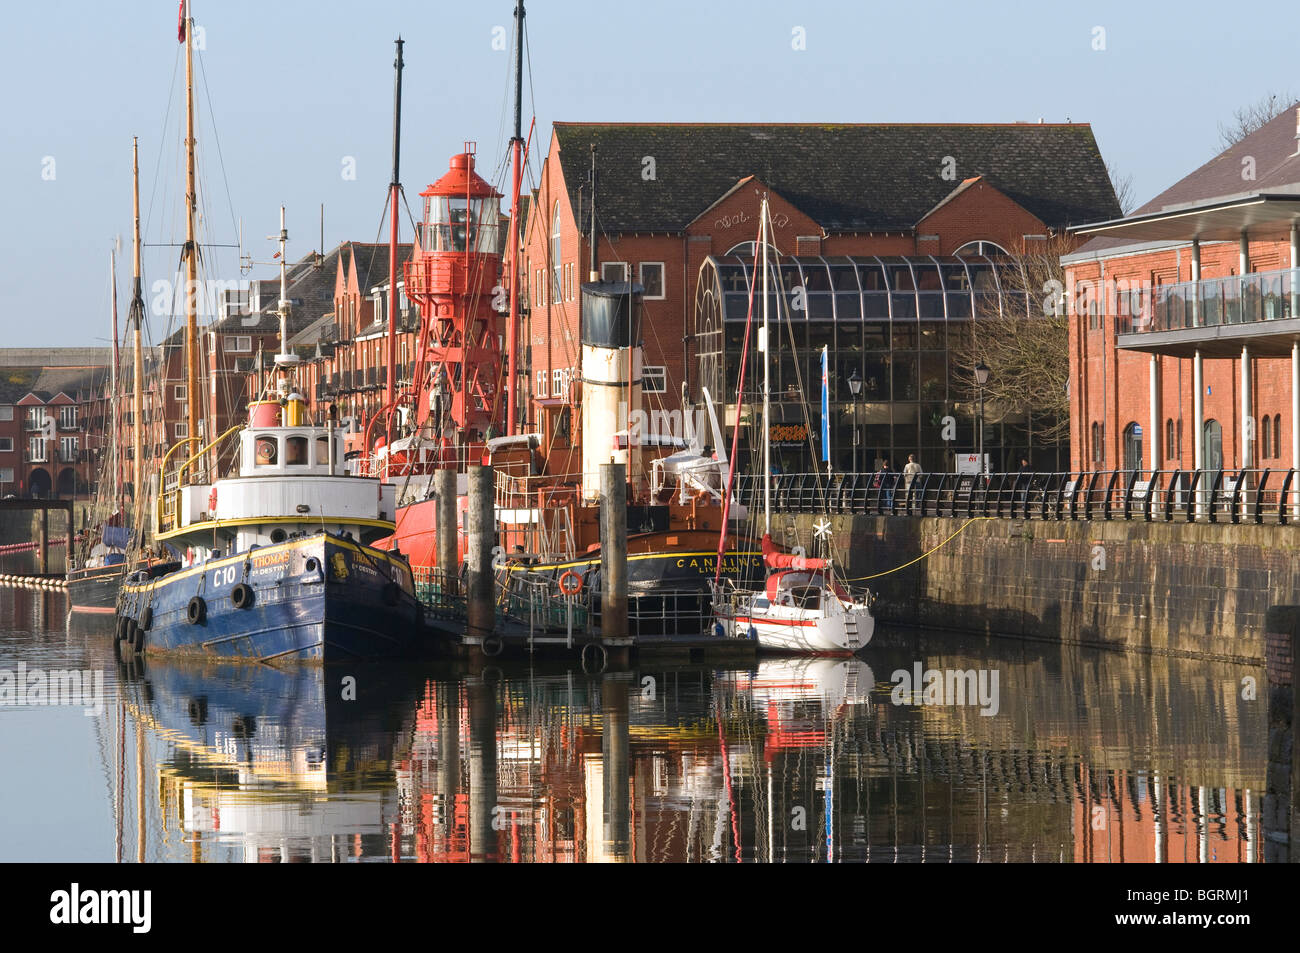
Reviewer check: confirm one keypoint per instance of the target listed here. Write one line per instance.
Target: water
(1090, 757)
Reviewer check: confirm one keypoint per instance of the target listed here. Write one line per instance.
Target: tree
(1246, 119)
(1024, 343)
(1123, 186)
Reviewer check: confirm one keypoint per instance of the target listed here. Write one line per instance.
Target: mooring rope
(926, 555)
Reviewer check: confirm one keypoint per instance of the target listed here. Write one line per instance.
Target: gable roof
(861, 177)
(1271, 151)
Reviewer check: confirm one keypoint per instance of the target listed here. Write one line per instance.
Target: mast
(191, 250)
(286, 358)
(136, 317)
(767, 370)
(594, 272)
(516, 159)
(390, 385)
(112, 373)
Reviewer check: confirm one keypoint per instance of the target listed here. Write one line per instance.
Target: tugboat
(275, 563)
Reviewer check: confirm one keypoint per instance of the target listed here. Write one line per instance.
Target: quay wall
(1195, 590)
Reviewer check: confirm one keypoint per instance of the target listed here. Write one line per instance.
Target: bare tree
(1123, 186)
(1246, 119)
(1024, 342)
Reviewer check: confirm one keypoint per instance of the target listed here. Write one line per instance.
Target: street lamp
(855, 388)
(981, 378)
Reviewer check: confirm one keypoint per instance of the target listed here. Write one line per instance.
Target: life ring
(570, 583)
(241, 597)
(196, 611)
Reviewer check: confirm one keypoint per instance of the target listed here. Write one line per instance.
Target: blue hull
(314, 599)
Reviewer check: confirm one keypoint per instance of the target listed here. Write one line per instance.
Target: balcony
(1217, 316)
(35, 456)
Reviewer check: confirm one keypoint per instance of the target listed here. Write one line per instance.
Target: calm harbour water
(1090, 757)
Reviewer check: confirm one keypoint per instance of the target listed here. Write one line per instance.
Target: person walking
(911, 471)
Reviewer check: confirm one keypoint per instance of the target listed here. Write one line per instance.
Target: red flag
(180, 24)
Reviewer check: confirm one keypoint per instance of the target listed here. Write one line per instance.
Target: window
(1169, 439)
(654, 380)
(613, 271)
(1133, 447)
(6, 475)
(557, 383)
(1277, 436)
(35, 418)
(1265, 432)
(6, 444)
(36, 449)
(182, 430)
(974, 249)
(295, 451)
(557, 292)
(68, 417)
(180, 393)
(541, 383)
(68, 449)
(563, 425)
(239, 344)
(323, 451)
(265, 452)
(652, 278)
(1098, 439)
(6, 411)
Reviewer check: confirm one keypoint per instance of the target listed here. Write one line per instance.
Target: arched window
(975, 249)
(1169, 439)
(556, 259)
(1132, 447)
(1277, 436)
(1097, 440)
(1265, 433)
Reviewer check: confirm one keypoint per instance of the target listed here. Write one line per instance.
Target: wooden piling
(613, 551)
(444, 488)
(43, 540)
(480, 528)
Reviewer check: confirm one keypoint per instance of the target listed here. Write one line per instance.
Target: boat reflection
(797, 760)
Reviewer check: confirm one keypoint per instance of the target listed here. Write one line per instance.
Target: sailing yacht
(802, 607)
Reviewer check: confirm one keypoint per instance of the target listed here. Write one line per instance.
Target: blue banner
(826, 409)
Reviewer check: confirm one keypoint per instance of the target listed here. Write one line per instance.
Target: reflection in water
(1092, 757)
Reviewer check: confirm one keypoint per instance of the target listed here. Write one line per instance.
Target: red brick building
(1185, 324)
(672, 199)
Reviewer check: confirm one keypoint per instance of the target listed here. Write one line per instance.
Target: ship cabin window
(295, 451)
(266, 455)
(323, 451)
(760, 602)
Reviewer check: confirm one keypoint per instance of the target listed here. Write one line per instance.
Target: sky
(293, 96)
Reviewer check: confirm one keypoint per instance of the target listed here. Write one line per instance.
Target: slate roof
(46, 383)
(1272, 147)
(862, 177)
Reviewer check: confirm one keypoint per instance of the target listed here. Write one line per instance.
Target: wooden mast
(390, 383)
(136, 318)
(516, 155)
(191, 251)
(112, 378)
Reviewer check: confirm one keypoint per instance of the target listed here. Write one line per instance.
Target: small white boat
(801, 609)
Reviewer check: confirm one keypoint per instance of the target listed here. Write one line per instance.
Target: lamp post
(981, 378)
(855, 388)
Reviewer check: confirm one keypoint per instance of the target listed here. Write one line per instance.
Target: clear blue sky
(297, 86)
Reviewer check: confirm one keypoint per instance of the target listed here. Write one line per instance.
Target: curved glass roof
(869, 288)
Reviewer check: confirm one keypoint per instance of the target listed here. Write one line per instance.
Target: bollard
(613, 551)
(481, 531)
(445, 530)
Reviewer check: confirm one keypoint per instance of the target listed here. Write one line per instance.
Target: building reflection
(1090, 758)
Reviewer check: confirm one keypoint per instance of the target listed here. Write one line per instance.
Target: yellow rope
(923, 555)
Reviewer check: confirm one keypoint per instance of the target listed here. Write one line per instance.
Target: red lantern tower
(454, 277)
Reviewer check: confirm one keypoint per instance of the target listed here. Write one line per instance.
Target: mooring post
(44, 539)
(444, 489)
(481, 519)
(613, 551)
(67, 551)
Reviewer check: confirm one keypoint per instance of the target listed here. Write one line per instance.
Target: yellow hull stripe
(209, 525)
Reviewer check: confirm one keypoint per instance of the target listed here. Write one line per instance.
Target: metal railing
(1236, 299)
(1211, 496)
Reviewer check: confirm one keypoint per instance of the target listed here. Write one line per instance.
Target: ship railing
(1242, 495)
(440, 592)
(170, 483)
(549, 615)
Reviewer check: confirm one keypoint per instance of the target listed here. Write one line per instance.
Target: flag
(826, 409)
(180, 24)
